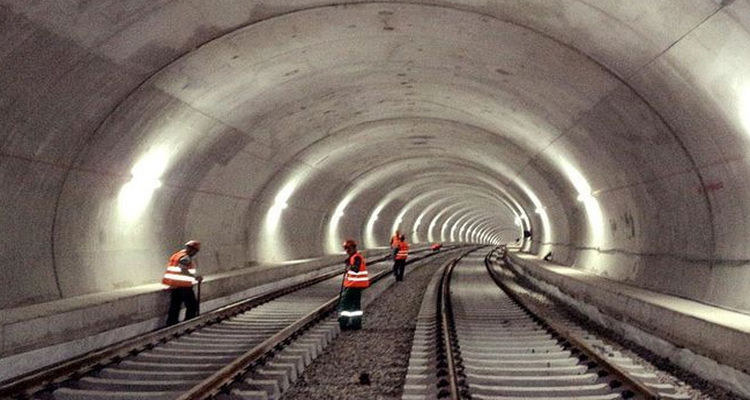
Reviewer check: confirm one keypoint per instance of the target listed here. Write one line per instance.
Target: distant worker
(355, 281)
(399, 260)
(181, 276)
(394, 243)
(395, 238)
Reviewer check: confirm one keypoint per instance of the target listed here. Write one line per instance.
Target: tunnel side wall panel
(101, 248)
(53, 95)
(27, 216)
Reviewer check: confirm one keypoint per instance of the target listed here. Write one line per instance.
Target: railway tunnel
(612, 133)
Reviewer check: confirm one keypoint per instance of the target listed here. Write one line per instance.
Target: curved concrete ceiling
(615, 132)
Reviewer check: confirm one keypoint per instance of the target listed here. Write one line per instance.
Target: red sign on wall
(711, 187)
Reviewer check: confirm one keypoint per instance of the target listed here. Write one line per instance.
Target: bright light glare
(421, 216)
(443, 237)
(280, 203)
(284, 194)
(334, 240)
(433, 223)
(461, 231)
(135, 195)
(369, 227)
(415, 229)
(546, 227)
(584, 197)
(398, 221)
(593, 211)
(270, 245)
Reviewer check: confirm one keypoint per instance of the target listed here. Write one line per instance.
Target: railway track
(476, 341)
(247, 350)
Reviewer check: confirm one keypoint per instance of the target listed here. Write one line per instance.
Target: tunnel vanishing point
(614, 132)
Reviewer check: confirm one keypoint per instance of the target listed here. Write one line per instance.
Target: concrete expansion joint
(722, 5)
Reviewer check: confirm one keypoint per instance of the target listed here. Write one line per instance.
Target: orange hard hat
(349, 243)
(194, 244)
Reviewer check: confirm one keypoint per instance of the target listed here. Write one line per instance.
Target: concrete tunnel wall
(617, 133)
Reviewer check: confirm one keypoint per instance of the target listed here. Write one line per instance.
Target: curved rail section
(645, 384)
(200, 358)
(451, 364)
(499, 349)
(430, 361)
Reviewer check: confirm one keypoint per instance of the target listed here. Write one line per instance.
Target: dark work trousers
(398, 269)
(350, 309)
(178, 296)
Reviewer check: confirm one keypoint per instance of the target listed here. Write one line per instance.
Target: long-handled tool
(341, 290)
(198, 309)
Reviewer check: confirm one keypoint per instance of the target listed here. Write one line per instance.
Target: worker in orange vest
(399, 260)
(181, 276)
(354, 282)
(394, 243)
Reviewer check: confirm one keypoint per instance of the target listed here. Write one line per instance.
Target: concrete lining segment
(256, 49)
(448, 198)
(407, 180)
(717, 333)
(413, 176)
(414, 139)
(693, 102)
(447, 192)
(641, 35)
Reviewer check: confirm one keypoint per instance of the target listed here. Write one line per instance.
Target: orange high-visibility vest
(356, 279)
(403, 251)
(174, 276)
(395, 241)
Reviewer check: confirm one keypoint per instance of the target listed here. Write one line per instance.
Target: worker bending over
(181, 276)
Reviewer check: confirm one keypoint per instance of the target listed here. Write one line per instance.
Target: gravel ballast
(371, 363)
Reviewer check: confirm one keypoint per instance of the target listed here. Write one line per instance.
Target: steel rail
(573, 339)
(445, 311)
(26, 385)
(78, 366)
(214, 384)
(447, 337)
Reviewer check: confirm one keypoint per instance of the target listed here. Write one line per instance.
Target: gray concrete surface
(705, 340)
(617, 132)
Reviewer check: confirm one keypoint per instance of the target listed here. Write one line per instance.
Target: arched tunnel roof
(613, 132)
